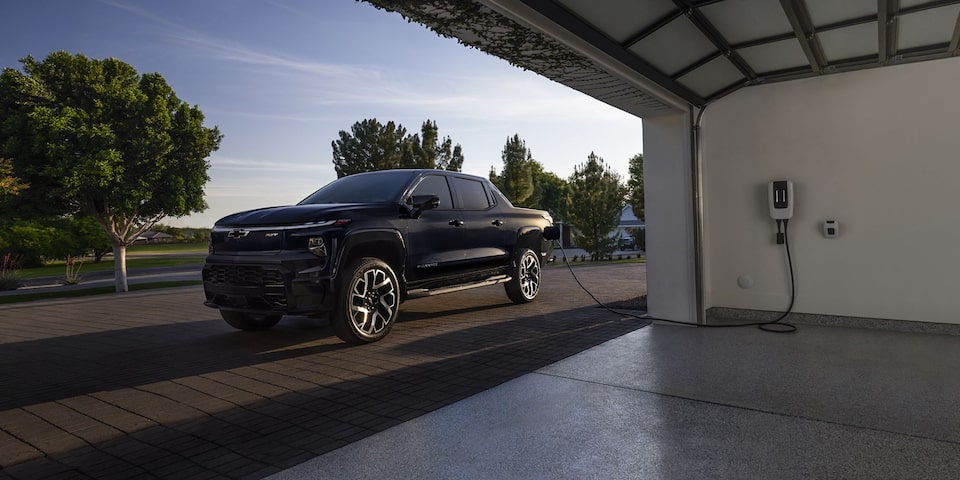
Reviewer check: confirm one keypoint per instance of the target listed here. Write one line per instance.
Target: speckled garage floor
(668, 402)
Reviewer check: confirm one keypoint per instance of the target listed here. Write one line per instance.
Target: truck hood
(292, 214)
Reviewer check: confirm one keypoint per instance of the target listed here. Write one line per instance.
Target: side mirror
(551, 233)
(422, 203)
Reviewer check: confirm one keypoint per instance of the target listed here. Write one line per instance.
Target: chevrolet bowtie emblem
(238, 233)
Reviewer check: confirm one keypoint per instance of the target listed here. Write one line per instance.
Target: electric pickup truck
(363, 244)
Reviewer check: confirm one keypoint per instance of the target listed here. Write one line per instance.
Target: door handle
(456, 223)
(497, 222)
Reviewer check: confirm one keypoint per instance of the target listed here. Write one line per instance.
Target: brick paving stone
(149, 405)
(204, 402)
(14, 451)
(108, 414)
(84, 427)
(37, 468)
(37, 432)
(247, 384)
(183, 395)
(71, 475)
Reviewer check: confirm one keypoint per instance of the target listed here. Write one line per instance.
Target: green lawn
(156, 256)
(168, 248)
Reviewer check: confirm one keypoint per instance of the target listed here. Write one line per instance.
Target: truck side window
(436, 185)
(471, 194)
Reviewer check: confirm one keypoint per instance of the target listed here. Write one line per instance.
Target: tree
(371, 146)
(550, 192)
(635, 185)
(9, 185)
(596, 198)
(516, 179)
(430, 152)
(96, 138)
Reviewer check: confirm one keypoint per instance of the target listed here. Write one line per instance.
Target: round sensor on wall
(745, 281)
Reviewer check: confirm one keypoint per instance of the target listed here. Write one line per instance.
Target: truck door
(435, 239)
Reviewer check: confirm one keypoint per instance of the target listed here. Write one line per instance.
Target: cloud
(227, 163)
(224, 50)
(296, 85)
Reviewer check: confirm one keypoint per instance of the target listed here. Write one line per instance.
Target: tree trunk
(120, 267)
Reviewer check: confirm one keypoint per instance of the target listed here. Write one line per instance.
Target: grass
(31, 297)
(167, 248)
(138, 256)
(582, 262)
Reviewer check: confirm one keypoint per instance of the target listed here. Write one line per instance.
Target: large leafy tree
(596, 198)
(635, 185)
(550, 192)
(94, 137)
(516, 178)
(371, 145)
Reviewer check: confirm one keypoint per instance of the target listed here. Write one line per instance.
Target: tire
(368, 299)
(249, 322)
(525, 285)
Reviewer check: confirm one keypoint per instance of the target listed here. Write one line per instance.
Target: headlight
(318, 247)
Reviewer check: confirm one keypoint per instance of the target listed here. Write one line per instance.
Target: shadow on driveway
(194, 399)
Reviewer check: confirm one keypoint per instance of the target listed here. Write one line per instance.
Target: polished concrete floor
(679, 402)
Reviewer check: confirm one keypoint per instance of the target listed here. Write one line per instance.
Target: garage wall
(668, 194)
(877, 150)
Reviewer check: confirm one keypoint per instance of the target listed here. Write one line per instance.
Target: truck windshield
(373, 187)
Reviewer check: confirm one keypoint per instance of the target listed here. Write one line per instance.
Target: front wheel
(368, 299)
(525, 285)
(249, 322)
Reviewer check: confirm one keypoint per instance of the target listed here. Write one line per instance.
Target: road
(106, 279)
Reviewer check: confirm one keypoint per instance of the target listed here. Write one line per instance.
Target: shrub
(72, 276)
(10, 272)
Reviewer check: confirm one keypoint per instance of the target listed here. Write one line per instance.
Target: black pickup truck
(358, 247)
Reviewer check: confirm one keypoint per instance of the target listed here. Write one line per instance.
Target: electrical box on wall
(831, 229)
(780, 194)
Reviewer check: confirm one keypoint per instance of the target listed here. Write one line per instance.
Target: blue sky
(282, 77)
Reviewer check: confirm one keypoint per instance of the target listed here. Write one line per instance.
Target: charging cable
(773, 326)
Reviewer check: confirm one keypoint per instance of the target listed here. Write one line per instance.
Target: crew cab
(363, 244)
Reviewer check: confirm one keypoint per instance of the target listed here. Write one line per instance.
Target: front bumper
(294, 284)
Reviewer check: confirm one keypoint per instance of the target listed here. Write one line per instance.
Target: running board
(427, 292)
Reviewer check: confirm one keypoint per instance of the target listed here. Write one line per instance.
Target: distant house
(154, 237)
(628, 221)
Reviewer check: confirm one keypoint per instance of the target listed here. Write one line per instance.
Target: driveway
(153, 384)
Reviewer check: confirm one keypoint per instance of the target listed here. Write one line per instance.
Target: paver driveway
(155, 385)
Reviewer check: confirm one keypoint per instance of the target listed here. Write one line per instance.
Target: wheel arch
(385, 244)
(529, 237)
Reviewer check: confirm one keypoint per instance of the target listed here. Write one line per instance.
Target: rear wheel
(367, 303)
(525, 284)
(248, 321)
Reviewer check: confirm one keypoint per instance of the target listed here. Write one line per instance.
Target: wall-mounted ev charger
(780, 194)
(780, 200)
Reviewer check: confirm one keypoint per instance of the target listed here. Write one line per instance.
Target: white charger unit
(780, 194)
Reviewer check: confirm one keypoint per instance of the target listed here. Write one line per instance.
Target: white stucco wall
(878, 151)
(669, 218)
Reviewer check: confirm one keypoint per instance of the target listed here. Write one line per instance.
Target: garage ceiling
(644, 55)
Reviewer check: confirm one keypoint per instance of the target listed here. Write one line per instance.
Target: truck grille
(240, 275)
